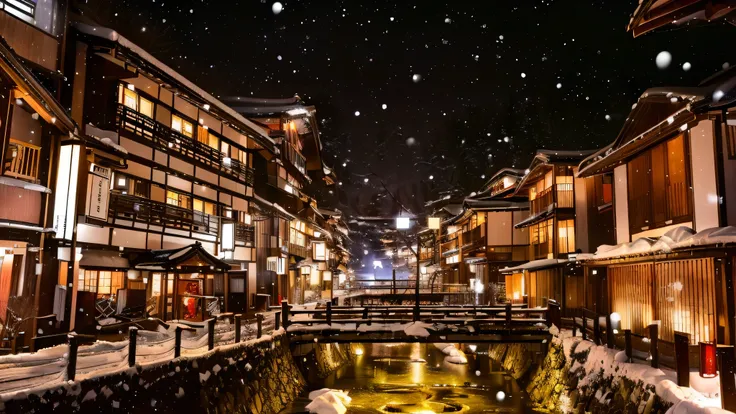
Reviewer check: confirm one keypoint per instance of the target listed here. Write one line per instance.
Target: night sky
(494, 79)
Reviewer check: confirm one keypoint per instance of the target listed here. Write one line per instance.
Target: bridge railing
(506, 316)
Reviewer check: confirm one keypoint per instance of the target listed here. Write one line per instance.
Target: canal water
(418, 378)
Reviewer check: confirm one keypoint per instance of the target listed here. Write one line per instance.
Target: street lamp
(404, 223)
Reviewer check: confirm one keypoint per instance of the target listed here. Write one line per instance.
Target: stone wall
(317, 361)
(562, 384)
(256, 378)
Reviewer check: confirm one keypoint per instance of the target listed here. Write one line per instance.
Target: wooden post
(18, 342)
(584, 328)
(259, 324)
(610, 338)
(597, 330)
(627, 345)
(71, 367)
(238, 324)
(726, 367)
(284, 314)
(177, 341)
(365, 313)
(393, 282)
(211, 333)
(682, 361)
(329, 313)
(132, 341)
(654, 344)
(277, 321)
(508, 316)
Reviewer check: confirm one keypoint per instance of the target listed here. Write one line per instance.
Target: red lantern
(708, 361)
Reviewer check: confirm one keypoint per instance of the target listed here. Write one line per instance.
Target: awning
(14, 182)
(536, 218)
(103, 259)
(535, 265)
(193, 257)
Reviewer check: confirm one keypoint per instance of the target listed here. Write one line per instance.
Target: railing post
(284, 314)
(682, 358)
(727, 366)
(238, 324)
(597, 330)
(654, 344)
(132, 342)
(259, 325)
(71, 367)
(329, 313)
(508, 316)
(610, 337)
(177, 341)
(18, 341)
(627, 345)
(211, 333)
(584, 327)
(277, 321)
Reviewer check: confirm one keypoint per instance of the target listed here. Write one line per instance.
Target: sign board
(98, 192)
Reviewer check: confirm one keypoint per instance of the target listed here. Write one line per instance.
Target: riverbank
(258, 376)
(577, 376)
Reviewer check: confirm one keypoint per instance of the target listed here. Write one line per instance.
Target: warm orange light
(292, 125)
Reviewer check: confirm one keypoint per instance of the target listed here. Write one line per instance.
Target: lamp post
(404, 223)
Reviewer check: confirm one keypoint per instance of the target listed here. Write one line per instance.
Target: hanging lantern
(708, 361)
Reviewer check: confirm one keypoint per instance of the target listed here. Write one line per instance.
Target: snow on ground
(701, 398)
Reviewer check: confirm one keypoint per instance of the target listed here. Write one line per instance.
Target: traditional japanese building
(653, 14)
(559, 214)
(482, 239)
(170, 231)
(300, 265)
(673, 207)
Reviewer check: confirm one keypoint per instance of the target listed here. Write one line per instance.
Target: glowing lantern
(708, 361)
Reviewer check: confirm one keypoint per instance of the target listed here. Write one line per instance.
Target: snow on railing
(24, 372)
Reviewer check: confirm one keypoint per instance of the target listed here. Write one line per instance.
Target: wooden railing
(472, 237)
(507, 253)
(22, 160)
(143, 210)
(244, 233)
(543, 200)
(298, 250)
(293, 156)
(166, 139)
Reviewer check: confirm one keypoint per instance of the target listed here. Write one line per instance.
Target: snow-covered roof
(112, 35)
(678, 238)
(545, 158)
(534, 265)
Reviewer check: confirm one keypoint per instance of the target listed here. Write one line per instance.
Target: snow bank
(677, 238)
(603, 362)
(328, 401)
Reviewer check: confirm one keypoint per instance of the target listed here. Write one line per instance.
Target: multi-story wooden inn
(561, 211)
(672, 164)
(172, 230)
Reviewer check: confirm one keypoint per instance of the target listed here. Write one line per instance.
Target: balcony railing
(166, 139)
(298, 250)
(561, 195)
(22, 160)
(472, 237)
(293, 156)
(507, 253)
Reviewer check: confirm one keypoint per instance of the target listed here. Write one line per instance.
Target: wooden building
(671, 163)
(188, 183)
(482, 238)
(653, 14)
(305, 261)
(560, 209)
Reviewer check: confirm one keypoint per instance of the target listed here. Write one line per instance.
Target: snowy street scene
(367, 206)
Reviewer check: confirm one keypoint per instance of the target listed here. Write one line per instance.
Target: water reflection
(417, 378)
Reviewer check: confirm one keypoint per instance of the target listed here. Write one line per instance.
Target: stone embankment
(255, 377)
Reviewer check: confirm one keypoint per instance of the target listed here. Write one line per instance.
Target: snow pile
(417, 329)
(677, 238)
(454, 355)
(328, 401)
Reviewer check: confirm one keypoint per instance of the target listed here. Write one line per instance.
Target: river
(417, 378)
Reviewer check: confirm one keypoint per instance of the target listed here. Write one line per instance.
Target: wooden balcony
(507, 253)
(299, 251)
(245, 233)
(166, 139)
(293, 156)
(473, 238)
(559, 195)
(22, 160)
